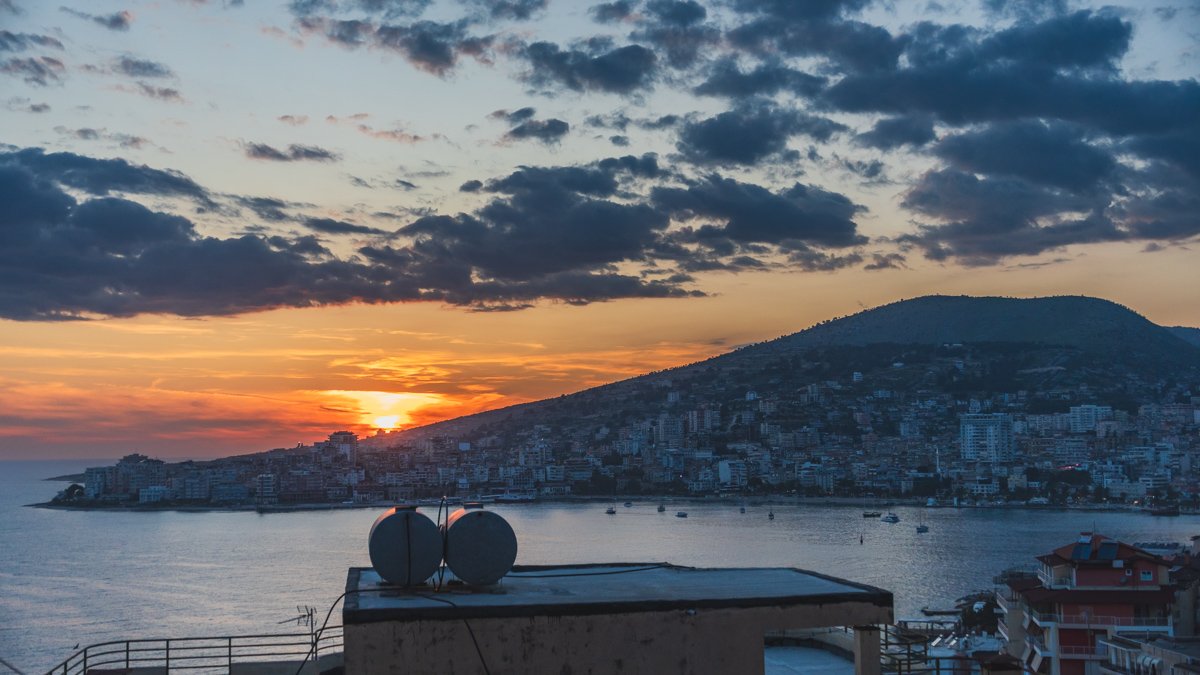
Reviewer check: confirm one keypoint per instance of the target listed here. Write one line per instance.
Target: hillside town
(862, 436)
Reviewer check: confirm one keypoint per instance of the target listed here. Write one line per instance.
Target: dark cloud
(19, 104)
(1059, 69)
(851, 45)
(388, 9)
(35, 70)
(1025, 10)
(546, 131)
(988, 219)
(293, 153)
(127, 65)
(612, 12)
(810, 10)
(19, 42)
(433, 47)
(537, 239)
(293, 120)
(726, 79)
(676, 27)
(104, 176)
(118, 21)
(332, 226)
(886, 261)
(820, 261)
(267, 208)
(747, 213)
(515, 116)
(619, 141)
(1053, 154)
(161, 93)
(428, 45)
(517, 10)
(471, 186)
(894, 132)
(622, 70)
(750, 133)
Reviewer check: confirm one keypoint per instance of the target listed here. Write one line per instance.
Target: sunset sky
(232, 226)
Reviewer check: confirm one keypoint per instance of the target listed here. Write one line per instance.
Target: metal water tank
(481, 546)
(405, 546)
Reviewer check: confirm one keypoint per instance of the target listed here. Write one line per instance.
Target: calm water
(69, 577)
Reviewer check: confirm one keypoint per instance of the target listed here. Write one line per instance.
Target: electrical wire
(317, 635)
(535, 575)
(478, 651)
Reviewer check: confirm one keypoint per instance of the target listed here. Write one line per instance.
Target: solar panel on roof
(1081, 552)
(1108, 551)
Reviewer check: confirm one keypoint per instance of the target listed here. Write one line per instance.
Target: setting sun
(387, 422)
(384, 409)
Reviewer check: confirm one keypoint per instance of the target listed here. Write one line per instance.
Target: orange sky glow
(177, 388)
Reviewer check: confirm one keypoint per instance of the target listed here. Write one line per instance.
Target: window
(1147, 575)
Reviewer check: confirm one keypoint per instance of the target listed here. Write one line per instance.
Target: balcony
(1008, 599)
(1038, 644)
(1091, 653)
(1089, 621)
(1050, 581)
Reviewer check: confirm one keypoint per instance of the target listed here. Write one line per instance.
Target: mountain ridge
(1100, 330)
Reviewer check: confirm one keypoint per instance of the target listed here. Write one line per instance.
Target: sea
(71, 578)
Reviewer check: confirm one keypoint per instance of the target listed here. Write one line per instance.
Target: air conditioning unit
(1118, 564)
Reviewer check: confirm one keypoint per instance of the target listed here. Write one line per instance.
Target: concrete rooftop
(602, 589)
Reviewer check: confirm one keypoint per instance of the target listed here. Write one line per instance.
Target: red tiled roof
(1067, 555)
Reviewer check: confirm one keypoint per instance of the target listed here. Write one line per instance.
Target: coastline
(758, 501)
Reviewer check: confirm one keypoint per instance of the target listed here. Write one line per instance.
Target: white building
(986, 437)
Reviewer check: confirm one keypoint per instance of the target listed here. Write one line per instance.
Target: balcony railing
(1083, 652)
(205, 654)
(1089, 620)
(1054, 582)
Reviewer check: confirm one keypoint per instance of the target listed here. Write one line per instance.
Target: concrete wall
(684, 642)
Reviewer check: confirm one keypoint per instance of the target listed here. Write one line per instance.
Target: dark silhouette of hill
(1073, 338)
(1090, 324)
(1191, 335)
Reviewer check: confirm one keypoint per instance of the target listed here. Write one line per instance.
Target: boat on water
(612, 510)
(662, 507)
(741, 509)
(872, 514)
(890, 517)
(628, 504)
(771, 514)
(922, 528)
(681, 514)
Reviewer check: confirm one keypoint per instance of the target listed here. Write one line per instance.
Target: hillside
(1191, 335)
(1013, 344)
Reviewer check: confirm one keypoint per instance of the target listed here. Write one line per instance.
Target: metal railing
(1087, 651)
(1089, 620)
(205, 654)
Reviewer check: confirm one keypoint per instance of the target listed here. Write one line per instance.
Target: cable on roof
(534, 575)
(478, 651)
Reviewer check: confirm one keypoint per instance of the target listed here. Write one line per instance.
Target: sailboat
(922, 528)
(662, 507)
(612, 510)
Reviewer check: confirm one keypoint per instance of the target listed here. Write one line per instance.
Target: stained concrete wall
(683, 642)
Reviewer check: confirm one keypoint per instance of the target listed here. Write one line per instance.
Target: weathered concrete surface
(669, 621)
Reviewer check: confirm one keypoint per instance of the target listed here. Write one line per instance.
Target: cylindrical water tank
(405, 546)
(480, 546)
